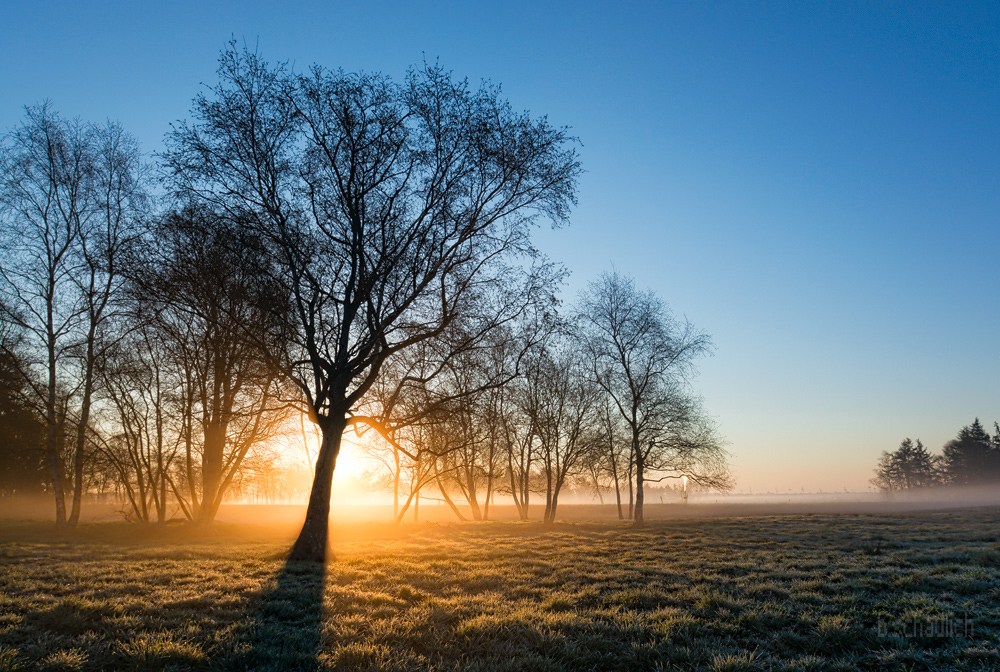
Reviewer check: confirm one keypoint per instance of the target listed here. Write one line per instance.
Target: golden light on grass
(787, 592)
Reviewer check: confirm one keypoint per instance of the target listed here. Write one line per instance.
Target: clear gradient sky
(817, 185)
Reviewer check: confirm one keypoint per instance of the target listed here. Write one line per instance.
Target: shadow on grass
(285, 631)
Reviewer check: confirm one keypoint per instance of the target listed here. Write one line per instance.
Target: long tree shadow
(285, 631)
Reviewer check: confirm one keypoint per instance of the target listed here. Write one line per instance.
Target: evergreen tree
(971, 458)
(909, 466)
(22, 432)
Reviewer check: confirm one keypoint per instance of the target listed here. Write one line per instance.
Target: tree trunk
(631, 500)
(447, 499)
(546, 516)
(489, 495)
(313, 541)
(395, 488)
(188, 429)
(81, 432)
(211, 471)
(614, 476)
(639, 459)
(209, 509)
(618, 499)
(550, 514)
(631, 472)
(406, 507)
(52, 442)
(141, 487)
(55, 473)
(473, 497)
(81, 438)
(526, 493)
(161, 504)
(515, 488)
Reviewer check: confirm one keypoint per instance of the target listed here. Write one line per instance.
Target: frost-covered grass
(895, 592)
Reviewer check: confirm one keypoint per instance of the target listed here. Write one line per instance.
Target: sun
(295, 451)
(354, 461)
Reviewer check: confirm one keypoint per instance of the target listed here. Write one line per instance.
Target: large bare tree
(387, 206)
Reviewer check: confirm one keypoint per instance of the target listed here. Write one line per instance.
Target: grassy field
(914, 591)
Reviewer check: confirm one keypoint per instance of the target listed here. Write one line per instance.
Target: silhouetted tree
(386, 207)
(70, 197)
(642, 358)
(118, 206)
(465, 401)
(198, 285)
(613, 456)
(22, 430)
(463, 445)
(406, 471)
(518, 435)
(971, 458)
(909, 466)
(561, 403)
(142, 404)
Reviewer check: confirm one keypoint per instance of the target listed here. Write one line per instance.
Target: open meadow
(897, 591)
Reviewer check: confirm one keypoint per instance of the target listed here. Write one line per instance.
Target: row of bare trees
(126, 329)
(70, 194)
(603, 395)
(344, 244)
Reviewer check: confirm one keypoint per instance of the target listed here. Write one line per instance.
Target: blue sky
(817, 185)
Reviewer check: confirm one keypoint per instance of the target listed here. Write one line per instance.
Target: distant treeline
(971, 458)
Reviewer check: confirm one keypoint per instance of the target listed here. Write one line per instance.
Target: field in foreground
(917, 591)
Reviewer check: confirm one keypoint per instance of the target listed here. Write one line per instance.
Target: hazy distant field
(571, 508)
(917, 591)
